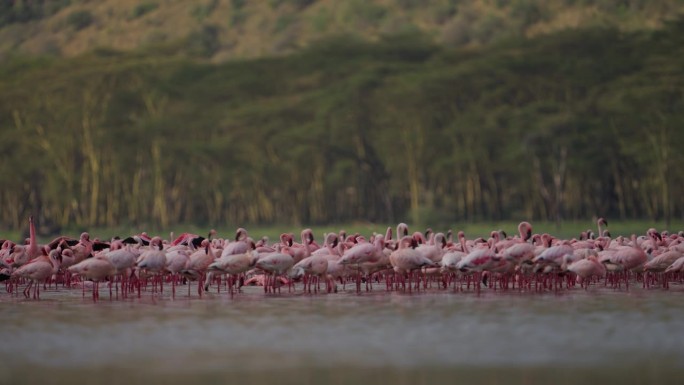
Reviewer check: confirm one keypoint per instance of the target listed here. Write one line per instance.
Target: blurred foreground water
(569, 337)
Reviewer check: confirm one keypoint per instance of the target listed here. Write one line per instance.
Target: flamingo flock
(418, 261)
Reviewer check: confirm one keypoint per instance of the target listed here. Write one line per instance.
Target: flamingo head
(240, 234)
(525, 230)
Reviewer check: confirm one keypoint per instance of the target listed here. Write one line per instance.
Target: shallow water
(569, 337)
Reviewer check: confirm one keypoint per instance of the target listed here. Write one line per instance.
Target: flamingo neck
(33, 244)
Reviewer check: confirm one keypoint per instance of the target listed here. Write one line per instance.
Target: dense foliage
(251, 29)
(563, 126)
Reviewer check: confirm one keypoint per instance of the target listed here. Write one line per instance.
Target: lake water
(570, 337)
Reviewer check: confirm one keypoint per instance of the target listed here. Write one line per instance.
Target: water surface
(569, 337)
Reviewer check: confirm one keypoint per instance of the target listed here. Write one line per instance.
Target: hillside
(561, 126)
(226, 29)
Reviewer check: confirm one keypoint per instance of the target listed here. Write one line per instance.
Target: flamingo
(434, 249)
(479, 260)
(303, 250)
(5, 251)
(402, 231)
(330, 242)
(624, 259)
(406, 259)
(22, 254)
(38, 270)
(585, 268)
(307, 264)
(604, 222)
(277, 264)
(123, 257)
(153, 261)
(524, 231)
(176, 261)
(332, 250)
(198, 264)
(676, 267)
(662, 261)
(314, 265)
(656, 254)
(234, 265)
(452, 257)
(195, 239)
(628, 258)
(659, 264)
(363, 253)
(483, 259)
(241, 244)
(84, 248)
(96, 269)
(554, 255)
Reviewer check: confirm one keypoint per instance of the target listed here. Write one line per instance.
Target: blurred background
(234, 112)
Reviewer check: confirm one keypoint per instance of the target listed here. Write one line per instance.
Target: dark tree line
(559, 127)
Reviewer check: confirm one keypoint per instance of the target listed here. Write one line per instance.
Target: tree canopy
(562, 126)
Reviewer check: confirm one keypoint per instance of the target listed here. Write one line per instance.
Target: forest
(566, 125)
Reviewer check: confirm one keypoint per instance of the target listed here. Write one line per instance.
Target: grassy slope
(472, 230)
(257, 28)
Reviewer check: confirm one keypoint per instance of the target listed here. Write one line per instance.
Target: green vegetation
(79, 19)
(202, 11)
(143, 8)
(567, 230)
(564, 126)
(203, 42)
(255, 28)
(24, 11)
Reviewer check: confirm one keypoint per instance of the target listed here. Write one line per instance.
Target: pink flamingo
(554, 255)
(277, 264)
(524, 231)
(176, 261)
(38, 270)
(84, 248)
(5, 251)
(663, 261)
(186, 238)
(241, 244)
(307, 265)
(313, 266)
(604, 222)
(434, 248)
(452, 257)
(657, 266)
(676, 267)
(123, 256)
(363, 253)
(332, 251)
(198, 264)
(625, 259)
(234, 265)
(153, 261)
(406, 259)
(628, 258)
(22, 254)
(96, 269)
(330, 242)
(402, 231)
(586, 268)
(519, 251)
(262, 246)
(304, 249)
(479, 260)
